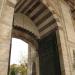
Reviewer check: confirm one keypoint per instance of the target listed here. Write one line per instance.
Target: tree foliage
(15, 69)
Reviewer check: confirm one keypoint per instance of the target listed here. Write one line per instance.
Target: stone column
(37, 64)
(33, 58)
(66, 39)
(29, 61)
(6, 19)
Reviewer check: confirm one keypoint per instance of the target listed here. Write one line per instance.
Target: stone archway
(32, 46)
(41, 25)
(65, 31)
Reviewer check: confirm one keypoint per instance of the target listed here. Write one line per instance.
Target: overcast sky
(19, 49)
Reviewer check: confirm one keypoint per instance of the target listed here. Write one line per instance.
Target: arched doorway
(19, 57)
(49, 55)
(44, 21)
(31, 39)
(36, 20)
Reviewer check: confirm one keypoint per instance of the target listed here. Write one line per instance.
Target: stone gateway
(49, 28)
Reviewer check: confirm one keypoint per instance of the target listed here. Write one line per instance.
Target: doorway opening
(19, 57)
(49, 55)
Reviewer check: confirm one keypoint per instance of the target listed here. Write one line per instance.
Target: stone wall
(5, 35)
(65, 33)
(1, 3)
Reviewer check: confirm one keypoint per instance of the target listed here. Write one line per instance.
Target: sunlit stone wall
(1, 2)
(6, 19)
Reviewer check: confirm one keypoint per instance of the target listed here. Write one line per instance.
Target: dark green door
(48, 55)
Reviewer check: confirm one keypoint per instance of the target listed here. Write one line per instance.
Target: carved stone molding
(12, 2)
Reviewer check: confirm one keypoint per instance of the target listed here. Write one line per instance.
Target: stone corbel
(12, 3)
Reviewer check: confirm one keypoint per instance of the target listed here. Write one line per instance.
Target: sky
(19, 50)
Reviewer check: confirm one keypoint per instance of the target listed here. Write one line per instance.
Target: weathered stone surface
(66, 33)
(6, 19)
(13, 2)
(24, 22)
(3, 68)
(1, 3)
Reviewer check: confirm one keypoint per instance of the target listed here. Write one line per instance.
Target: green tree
(13, 69)
(23, 66)
(22, 69)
